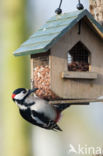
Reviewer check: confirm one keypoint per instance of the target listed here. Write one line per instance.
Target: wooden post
(32, 74)
(96, 9)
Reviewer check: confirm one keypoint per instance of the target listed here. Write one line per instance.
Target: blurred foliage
(14, 71)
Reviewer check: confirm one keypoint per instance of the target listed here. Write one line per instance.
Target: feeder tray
(76, 101)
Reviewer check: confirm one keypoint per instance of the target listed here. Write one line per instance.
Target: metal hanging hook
(80, 5)
(58, 11)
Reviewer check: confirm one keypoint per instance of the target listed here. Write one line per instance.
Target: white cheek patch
(19, 96)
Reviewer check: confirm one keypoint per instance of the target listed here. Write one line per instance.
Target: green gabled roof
(54, 28)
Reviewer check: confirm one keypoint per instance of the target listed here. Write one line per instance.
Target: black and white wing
(42, 121)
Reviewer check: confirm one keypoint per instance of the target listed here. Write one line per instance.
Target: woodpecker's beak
(33, 90)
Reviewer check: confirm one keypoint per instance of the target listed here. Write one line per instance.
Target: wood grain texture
(57, 26)
(77, 88)
(78, 75)
(76, 102)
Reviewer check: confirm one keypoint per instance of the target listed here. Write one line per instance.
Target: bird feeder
(66, 57)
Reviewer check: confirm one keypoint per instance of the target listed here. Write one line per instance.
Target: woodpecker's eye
(24, 91)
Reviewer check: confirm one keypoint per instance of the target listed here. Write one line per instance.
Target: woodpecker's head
(21, 93)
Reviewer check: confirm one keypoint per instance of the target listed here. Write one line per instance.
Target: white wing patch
(42, 106)
(38, 120)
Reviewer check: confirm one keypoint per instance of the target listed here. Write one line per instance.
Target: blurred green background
(81, 124)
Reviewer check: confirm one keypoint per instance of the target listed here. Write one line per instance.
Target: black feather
(49, 124)
(61, 107)
(17, 91)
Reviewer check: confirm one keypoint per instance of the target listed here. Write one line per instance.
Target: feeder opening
(79, 58)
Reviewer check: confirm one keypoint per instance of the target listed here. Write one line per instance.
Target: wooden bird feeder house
(67, 57)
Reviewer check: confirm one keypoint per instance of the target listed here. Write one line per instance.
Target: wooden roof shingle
(42, 40)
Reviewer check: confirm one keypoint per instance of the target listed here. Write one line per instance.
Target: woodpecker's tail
(57, 128)
(61, 107)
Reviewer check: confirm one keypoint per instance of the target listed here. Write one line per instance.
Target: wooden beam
(79, 75)
(76, 102)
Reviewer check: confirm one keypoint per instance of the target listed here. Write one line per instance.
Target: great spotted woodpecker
(36, 110)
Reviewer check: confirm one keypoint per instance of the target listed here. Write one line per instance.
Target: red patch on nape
(57, 117)
(13, 95)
